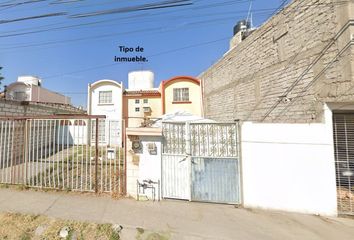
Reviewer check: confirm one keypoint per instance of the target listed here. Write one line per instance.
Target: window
(147, 109)
(105, 97)
(137, 109)
(181, 94)
(101, 131)
(20, 96)
(137, 101)
(146, 100)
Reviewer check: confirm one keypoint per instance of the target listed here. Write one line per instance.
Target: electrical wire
(36, 29)
(163, 4)
(306, 88)
(33, 17)
(307, 69)
(149, 56)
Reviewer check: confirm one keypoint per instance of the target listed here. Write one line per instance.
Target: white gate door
(175, 163)
(175, 177)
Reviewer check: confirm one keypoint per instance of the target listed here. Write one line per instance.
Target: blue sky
(68, 53)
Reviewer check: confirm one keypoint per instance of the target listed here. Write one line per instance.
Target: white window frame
(105, 99)
(181, 95)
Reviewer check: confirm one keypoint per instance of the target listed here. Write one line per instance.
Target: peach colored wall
(194, 107)
(134, 119)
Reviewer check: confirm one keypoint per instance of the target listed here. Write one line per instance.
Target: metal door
(200, 162)
(343, 131)
(175, 162)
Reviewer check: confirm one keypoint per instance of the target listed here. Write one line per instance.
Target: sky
(72, 43)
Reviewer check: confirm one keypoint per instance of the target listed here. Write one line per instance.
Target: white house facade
(105, 98)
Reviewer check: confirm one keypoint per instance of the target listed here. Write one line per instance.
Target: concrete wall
(289, 167)
(146, 167)
(15, 108)
(39, 94)
(287, 68)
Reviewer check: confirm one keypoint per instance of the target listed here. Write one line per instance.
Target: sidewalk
(183, 220)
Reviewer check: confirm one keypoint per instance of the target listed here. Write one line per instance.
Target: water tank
(242, 25)
(32, 80)
(140, 80)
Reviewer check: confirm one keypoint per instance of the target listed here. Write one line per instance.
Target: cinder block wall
(15, 108)
(285, 55)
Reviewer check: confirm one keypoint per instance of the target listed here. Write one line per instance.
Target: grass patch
(23, 227)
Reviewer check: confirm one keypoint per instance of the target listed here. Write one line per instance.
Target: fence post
(25, 150)
(96, 158)
(123, 173)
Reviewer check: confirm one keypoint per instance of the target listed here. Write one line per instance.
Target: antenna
(251, 21)
(249, 15)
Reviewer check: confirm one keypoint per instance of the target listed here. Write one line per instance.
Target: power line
(36, 30)
(307, 69)
(33, 17)
(66, 1)
(153, 55)
(20, 3)
(304, 90)
(260, 11)
(114, 34)
(163, 4)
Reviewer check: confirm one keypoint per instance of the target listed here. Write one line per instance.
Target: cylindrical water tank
(140, 80)
(242, 25)
(32, 80)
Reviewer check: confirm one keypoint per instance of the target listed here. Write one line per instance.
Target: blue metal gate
(200, 162)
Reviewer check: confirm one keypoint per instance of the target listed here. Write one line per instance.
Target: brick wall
(15, 108)
(285, 55)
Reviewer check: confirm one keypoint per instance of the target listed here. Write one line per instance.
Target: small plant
(108, 231)
(25, 236)
(5, 185)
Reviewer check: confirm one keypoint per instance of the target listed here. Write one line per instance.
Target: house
(105, 98)
(181, 93)
(290, 83)
(29, 88)
(141, 101)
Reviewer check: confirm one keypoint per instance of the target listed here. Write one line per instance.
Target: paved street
(182, 220)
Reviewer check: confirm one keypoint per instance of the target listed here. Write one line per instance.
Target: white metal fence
(60, 152)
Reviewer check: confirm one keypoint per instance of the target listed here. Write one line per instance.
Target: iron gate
(60, 152)
(343, 130)
(200, 162)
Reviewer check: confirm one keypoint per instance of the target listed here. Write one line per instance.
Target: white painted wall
(289, 167)
(149, 166)
(113, 111)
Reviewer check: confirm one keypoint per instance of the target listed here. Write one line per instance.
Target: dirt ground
(44, 214)
(26, 227)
